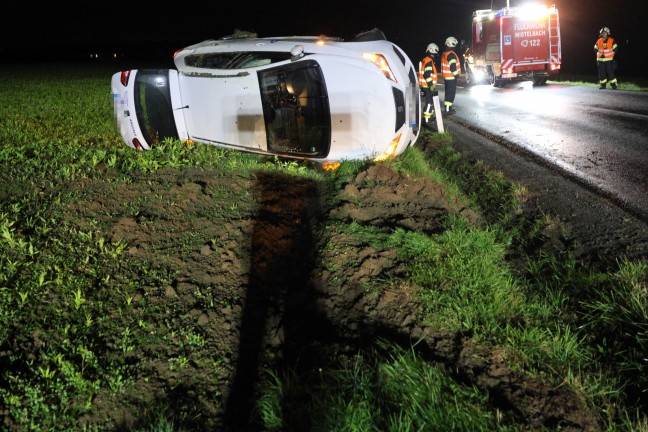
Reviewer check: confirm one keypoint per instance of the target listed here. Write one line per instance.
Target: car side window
(235, 60)
(210, 60)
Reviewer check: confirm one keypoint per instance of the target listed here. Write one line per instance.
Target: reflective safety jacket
(450, 66)
(427, 73)
(605, 49)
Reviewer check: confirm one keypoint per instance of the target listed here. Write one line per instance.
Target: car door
(224, 108)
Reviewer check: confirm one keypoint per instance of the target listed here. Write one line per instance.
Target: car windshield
(296, 109)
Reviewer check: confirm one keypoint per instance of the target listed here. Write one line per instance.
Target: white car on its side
(315, 98)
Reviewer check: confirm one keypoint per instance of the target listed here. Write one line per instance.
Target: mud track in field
(252, 282)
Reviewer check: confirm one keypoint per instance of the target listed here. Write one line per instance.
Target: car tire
(368, 36)
(490, 75)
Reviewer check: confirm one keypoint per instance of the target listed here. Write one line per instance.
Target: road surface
(597, 137)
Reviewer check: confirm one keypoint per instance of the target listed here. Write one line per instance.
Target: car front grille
(399, 102)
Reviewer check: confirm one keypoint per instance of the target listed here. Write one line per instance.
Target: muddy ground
(255, 287)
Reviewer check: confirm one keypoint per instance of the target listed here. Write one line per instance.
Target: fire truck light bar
(527, 12)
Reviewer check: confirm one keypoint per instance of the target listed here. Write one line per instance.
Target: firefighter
(451, 71)
(428, 81)
(605, 49)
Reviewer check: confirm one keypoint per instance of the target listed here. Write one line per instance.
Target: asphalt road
(598, 138)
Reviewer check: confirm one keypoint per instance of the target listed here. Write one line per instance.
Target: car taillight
(555, 66)
(137, 144)
(125, 75)
(177, 52)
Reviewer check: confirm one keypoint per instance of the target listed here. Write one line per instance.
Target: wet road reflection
(598, 137)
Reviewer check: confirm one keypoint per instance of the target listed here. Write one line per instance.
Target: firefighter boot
(602, 86)
(428, 124)
(614, 86)
(449, 110)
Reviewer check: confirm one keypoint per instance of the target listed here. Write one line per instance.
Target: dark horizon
(142, 33)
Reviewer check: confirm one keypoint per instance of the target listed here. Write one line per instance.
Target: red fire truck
(514, 44)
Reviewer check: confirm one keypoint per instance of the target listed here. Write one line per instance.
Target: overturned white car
(316, 98)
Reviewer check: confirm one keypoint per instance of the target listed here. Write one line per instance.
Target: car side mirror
(297, 52)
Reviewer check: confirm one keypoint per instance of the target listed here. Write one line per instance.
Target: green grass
(388, 389)
(629, 83)
(464, 282)
(70, 325)
(65, 292)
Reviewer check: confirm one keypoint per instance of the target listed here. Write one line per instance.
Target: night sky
(151, 31)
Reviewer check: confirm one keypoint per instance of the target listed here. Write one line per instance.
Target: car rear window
(153, 105)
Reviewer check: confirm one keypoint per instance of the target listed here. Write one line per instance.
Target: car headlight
(381, 62)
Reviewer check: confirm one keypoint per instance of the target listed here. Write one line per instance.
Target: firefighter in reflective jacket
(451, 70)
(605, 49)
(428, 81)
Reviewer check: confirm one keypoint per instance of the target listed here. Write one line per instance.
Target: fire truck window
(479, 32)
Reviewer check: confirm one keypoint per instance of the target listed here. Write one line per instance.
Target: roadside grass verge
(629, 83)
(556, 318)
(70, 326)
(389, 389)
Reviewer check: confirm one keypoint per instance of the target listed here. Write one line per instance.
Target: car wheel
(371, 35)
(497, 82)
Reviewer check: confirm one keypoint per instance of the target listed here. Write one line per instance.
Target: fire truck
(514, 44)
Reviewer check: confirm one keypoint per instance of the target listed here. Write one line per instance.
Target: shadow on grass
(282, 258)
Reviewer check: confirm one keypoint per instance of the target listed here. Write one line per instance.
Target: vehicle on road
(514, 44)
(307, 97)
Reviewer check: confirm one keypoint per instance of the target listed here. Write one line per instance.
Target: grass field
(89, 327)
(625, 83)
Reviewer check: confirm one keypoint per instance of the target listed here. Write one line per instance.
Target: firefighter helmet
(605, 29)
(432, 49)
(451, 42)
